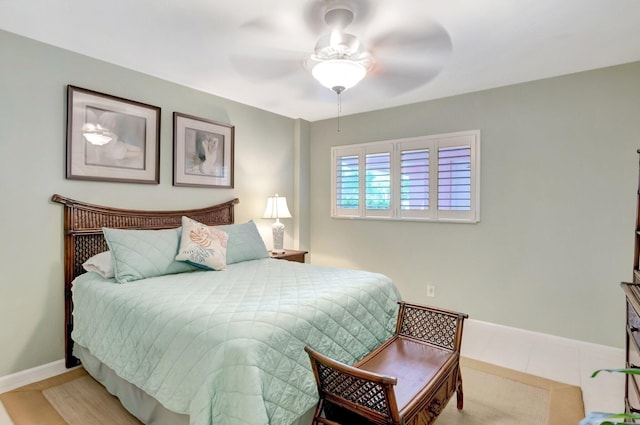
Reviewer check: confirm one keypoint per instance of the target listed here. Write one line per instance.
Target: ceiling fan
(396, 50)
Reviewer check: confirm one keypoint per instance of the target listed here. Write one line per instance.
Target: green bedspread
(226, 347)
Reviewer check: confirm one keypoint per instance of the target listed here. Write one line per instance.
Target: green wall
(33, 80)
(559, 174)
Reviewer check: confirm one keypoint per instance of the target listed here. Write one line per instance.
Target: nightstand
(291, 255)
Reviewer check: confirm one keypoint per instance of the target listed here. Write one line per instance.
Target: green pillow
(138, 254)
(245, 242)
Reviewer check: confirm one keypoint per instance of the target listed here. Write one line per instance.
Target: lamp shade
(340, 73)
(276, 208)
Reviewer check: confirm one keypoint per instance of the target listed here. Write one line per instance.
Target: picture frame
(110, 138)
(202, 152)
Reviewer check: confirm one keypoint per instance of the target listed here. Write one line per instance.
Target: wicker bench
(408, 380)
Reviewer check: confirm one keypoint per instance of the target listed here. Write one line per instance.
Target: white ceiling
(235, 49)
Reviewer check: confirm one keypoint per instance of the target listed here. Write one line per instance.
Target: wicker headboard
(83, 238)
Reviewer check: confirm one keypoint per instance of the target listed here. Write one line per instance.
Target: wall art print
(111, 139)
(202, 152)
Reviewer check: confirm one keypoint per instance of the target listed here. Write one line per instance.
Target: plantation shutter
(414, 185)
(346, 183)
(454, 178)
(457, 178)
(377, 185)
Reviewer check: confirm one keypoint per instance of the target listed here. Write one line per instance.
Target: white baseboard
(488, 327)
(29, 376)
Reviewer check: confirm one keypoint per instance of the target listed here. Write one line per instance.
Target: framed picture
(111, 139)
(202, 152)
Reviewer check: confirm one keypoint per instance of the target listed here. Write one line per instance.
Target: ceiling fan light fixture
(338, 74)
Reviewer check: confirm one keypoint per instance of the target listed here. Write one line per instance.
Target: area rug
(492, 396)
(498, 396)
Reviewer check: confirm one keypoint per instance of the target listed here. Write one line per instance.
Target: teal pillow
(138, 254)
(244, 243)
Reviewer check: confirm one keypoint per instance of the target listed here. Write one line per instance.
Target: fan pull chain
(338, 90)
(339, 109)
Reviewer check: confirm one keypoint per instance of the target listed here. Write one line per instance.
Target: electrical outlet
(431, 290)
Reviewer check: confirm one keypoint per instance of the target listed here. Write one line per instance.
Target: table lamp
(277, 208)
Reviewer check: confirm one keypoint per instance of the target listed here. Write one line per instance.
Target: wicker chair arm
(360, 391)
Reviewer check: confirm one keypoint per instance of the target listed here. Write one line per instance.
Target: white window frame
(433, 143)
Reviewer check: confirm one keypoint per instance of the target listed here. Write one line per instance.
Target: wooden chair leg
(316, 414)
(459, 392)
(318, 419)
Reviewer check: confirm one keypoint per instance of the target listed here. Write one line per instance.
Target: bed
(188, 345)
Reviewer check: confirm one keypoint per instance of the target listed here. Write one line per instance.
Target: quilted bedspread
(226, 347)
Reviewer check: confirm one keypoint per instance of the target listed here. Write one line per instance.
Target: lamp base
(277, 251)
(278, 237)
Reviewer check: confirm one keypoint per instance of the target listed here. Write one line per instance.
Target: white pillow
(101, 264)
(202, 246)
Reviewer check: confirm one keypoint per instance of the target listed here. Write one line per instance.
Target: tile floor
(551, 357)
(543, 355)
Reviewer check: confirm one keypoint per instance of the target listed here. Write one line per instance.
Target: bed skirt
(137, 402)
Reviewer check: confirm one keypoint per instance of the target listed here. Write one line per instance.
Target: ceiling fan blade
(408, 58)
(273, 32)
(392, 80)
(430, 39)
(263, 49)
(260, 69)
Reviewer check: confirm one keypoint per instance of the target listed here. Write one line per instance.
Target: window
(424, 178)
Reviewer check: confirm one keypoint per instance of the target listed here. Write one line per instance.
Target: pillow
(245, 243)
(101, 264)
(138, 254)
(202, 246)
